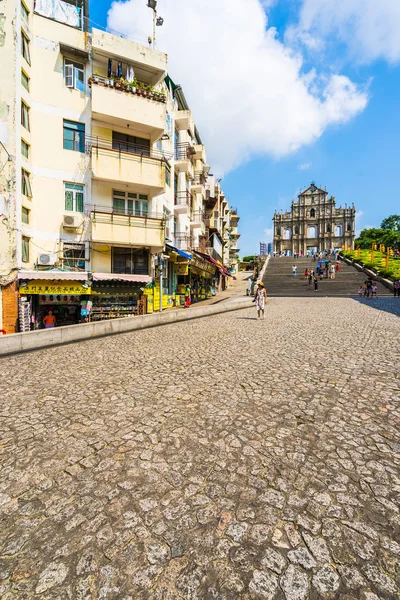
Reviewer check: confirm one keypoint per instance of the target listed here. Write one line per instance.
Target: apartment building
(105, 175)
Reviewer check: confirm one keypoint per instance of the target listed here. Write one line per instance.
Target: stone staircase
(279, 281)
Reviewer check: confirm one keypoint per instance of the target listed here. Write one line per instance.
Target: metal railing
(183, 240)
(183, 198)
(199, 178)
(197, 216)
(124, 150)
(184, 151)
(112, 212)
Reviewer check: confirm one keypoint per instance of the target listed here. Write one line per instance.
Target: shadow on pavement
(390, 305)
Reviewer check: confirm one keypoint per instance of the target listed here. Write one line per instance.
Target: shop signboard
(203, 264)
(181, 269)
(55, 288)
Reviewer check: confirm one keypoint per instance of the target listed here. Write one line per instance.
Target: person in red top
(49, 320)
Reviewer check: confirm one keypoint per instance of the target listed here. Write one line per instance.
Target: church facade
(314, 224)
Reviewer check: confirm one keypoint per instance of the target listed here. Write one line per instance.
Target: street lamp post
(157, 21)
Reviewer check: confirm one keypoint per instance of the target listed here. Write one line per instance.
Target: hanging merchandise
(24, 314)
(119, 73)
(109, 71)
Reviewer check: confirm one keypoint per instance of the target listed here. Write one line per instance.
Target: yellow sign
(74, 288)
(181, 269)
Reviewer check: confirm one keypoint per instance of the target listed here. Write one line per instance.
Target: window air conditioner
(47, 260)
(71, 221)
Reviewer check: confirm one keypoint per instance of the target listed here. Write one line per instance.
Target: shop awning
(134, 278)
(53, 275)
(186, 255)
(219, 265)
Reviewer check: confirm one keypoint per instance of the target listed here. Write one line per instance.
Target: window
(25, 184)
(74, 75)
(25, 249)
(312, 232)
(130, 143)
(25, 215)
(25, 116)
(24, 13)
(328, 229)
(25, 48)
(130, 260)
(287, 234)
(296, 230)
(348, 226)
(128, 203)
(338, 231)
(74, 255)
(25, 80)
(73, 194)
(312, 212)
(167, 219)
(167, 175)
(278, 231)
(24, 149)
(74, 136)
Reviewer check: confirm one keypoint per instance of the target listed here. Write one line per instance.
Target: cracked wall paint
(2, 29)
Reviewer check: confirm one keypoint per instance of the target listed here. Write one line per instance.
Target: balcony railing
(183, 240)
(184, 151)
(199, 178)
(197, 216)
(183, 198)
(112, 212)
(135, 87)
(124, 149)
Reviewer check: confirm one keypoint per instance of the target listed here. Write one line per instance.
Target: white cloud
(304, 166)
(370, 28)
(246, 89)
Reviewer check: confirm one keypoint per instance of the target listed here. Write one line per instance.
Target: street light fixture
(157, 21)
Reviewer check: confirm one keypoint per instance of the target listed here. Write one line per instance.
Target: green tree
(368, 237)
(248, 258)
(392, 222)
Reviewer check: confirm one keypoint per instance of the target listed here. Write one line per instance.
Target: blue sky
(342, 130)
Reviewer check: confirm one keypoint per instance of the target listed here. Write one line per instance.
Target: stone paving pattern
(222, 458)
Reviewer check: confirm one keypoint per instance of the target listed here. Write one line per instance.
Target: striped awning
(53, 275)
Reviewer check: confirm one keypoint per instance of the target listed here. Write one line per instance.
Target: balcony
(234, 216)
(184, 120)
(115, 227)
(141, 167)
(116, 103)
(184, 159)
(200, 153)
(182, 202)
(148, 64)
(199, 182)
(183, 240)
(197, 220)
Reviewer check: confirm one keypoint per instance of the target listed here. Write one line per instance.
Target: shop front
(51, 298)
(203, 277)
(117, 295)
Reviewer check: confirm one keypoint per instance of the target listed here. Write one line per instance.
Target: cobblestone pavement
(222, 458)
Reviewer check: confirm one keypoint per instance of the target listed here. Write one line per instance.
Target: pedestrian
(187, 296)
(306, 273)
(364, 287)
(337, 266)
(326, 270)
(49, 320)
(294, 270)
(396, 288)
(332, 271)
(315, 284)
(249, 286)
(374, 290)
(369, 288)
(260, 297)
(360, 291)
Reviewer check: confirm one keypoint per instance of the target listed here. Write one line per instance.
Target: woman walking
(260, 297)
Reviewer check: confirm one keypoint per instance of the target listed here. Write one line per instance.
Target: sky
(284, 92)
